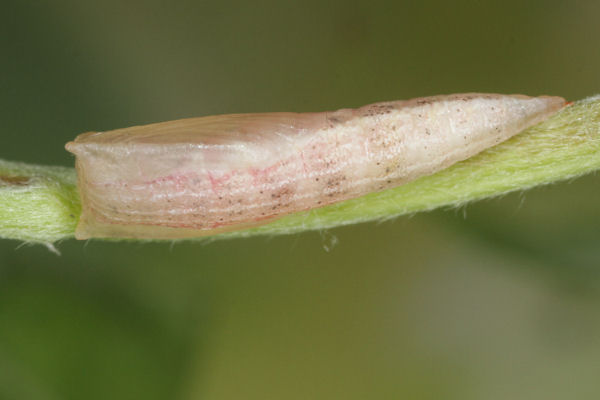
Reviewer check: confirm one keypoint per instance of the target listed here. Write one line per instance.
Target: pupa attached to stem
(202, 176)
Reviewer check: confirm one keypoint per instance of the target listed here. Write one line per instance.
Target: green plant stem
(41, 204)
(38, 203)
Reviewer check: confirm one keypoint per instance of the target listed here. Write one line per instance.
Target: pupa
(207, 175)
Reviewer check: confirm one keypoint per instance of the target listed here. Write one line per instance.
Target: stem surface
(41, 204)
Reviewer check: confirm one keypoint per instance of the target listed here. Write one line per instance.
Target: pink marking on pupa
(201, 176)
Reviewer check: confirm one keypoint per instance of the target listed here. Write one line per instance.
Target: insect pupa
(201, 176)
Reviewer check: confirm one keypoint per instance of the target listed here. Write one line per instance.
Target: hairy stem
(41, 204)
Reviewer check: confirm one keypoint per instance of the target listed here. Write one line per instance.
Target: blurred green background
(497, 300)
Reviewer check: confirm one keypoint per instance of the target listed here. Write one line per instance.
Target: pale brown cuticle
(263, 166)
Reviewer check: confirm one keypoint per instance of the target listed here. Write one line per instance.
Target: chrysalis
(201, 176)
